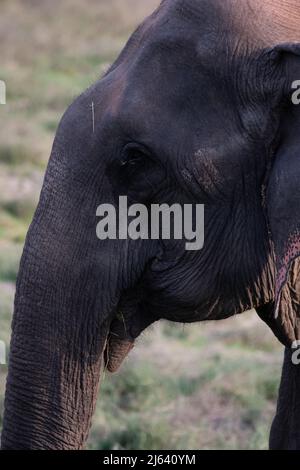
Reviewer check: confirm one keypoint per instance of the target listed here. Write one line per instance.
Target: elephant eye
(133, 156)
(137, 172)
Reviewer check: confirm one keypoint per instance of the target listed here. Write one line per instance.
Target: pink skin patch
(291, 253)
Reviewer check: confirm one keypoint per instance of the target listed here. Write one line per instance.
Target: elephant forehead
(117, 90)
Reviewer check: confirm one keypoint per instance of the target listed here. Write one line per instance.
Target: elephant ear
(283, 206)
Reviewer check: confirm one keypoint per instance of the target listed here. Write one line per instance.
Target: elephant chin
(115, 352)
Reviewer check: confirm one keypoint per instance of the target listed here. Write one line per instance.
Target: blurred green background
(207, 386)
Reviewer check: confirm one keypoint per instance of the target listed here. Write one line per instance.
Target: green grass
(10, 255)
(225, 401)
(12, 229)
(138, 434)
(176, 331)
(6, 308)
(50, 125)
(17, 155)
(19, 209)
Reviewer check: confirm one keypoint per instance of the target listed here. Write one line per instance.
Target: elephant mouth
(115, 352)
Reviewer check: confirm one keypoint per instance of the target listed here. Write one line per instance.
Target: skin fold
(196, 110)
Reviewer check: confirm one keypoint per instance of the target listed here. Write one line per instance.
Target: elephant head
(195, 110)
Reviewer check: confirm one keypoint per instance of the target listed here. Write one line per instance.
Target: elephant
(196, 109)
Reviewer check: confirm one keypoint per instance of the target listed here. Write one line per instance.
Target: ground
(207, 386)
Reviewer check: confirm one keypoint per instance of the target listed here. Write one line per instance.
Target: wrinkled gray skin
(196, 109)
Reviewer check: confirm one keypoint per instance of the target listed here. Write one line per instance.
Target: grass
(6, 307)
(9, 261)
(210, 386)
(183, 401)
(12, 229)
(136, 434)
(17, 155)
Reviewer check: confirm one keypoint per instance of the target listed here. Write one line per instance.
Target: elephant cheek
(115, 352)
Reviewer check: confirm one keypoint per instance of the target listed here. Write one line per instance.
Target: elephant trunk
(66, 295)
(51, 392)
(55, 359)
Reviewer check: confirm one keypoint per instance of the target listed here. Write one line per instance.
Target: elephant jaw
(115, 352)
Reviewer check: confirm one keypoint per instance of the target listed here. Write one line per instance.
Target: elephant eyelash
(135, 158)
(133, 155)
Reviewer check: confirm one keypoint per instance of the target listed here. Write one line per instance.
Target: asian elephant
(197, 109)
